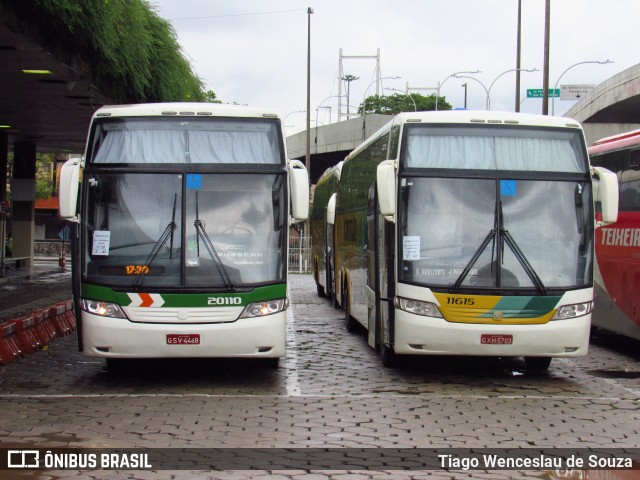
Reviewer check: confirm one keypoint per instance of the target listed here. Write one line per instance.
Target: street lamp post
(476, 80)
(349, 79)
(503, 73)
(553, 103)
(447, 78)
(465, 95)
(308, 152)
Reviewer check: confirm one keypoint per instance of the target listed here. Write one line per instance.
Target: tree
(44, 176)
(210, 97)
(396, 103)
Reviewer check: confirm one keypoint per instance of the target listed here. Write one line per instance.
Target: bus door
(380, 257)
(328, 247)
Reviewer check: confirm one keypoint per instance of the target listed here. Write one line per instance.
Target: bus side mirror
(331, 210)
(386, 184)
(605, 195)
(69, 183)
(299, 188)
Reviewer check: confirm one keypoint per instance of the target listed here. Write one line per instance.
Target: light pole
(349, 79)
(308, 153)
(447, 78)
(465, 94)
(415, 107)
(503, 73)
(553, 103)
(475, 79)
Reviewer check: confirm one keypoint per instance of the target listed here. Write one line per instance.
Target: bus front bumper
(419, 335)
(260, 337)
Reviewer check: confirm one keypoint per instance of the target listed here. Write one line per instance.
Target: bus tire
(537, 364)
(117, 365)
(270, 363)
(387, 355)
(349, 322)
(320, 290)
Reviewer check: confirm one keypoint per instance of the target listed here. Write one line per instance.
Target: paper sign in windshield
(411, 247)
(101, 239)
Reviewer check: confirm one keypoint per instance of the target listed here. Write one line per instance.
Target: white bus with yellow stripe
(471, 233)
(181, 215)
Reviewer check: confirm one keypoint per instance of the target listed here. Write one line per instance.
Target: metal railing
(300, 255)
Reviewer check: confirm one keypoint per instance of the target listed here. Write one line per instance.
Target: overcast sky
(254, 52)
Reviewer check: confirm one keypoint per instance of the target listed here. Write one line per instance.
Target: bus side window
(630, 183)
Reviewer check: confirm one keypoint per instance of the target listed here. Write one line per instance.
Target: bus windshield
(490, 230)
(531, 234)
(200, 230)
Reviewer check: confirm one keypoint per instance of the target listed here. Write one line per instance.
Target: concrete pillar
(4, 150)
(23, 194)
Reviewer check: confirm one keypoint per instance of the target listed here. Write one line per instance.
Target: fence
(300, 254)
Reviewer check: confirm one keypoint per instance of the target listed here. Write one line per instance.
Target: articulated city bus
(322, 224)
(471, 233)
(617, 279)
(181, 214)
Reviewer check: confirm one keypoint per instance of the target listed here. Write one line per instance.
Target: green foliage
(133, 55)
(210, 97)
(44, 176)
(396, 103)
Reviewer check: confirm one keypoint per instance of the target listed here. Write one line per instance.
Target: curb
(34, 331)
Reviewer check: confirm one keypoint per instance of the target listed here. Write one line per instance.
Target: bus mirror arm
(606, 194)
(69, 185)
(299, 188)
(386, 185)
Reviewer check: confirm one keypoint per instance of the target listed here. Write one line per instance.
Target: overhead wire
(239, 14)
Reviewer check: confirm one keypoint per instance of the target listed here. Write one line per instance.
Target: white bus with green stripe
(471, 233)
(181, 215)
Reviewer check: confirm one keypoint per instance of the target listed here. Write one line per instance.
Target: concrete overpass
(331, 143)
(612, 107)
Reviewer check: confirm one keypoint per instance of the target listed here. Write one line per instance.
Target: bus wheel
(320, 290)
(117, 365)
(270, 363)
(387, 355)
(537, 364)
(349, 321)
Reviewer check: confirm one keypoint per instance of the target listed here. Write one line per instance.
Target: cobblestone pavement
(331, 392)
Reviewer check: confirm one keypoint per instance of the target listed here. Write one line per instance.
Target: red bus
(617, 276)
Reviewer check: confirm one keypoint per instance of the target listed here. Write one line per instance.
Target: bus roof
(475, 117)
(488, 117)
(184, 109)
(616, 142)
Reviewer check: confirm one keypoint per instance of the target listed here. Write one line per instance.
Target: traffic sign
(575, 92)
(539, 92)
(4, 207)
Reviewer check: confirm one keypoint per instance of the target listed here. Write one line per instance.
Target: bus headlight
(426, 309)
(103, 309)
(573, 311)
(261, 309)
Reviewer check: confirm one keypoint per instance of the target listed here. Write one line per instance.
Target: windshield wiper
(473, 261)
(528, 268)
(490, 236)
(208, 244)
(166, 234)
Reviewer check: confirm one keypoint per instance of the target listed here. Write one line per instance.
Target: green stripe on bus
(176, 300)
(524, 307)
